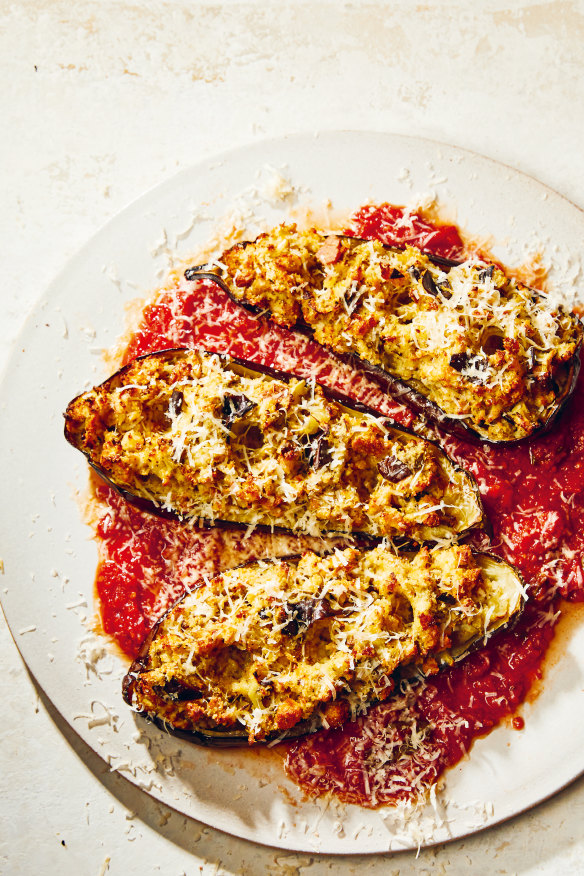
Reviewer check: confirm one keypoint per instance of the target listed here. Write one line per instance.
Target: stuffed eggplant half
(204, 437)
(279, 648)
(479, 353)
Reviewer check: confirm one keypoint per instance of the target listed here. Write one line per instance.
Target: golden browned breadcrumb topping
(207, 439)
(271, 644)
(482, 346)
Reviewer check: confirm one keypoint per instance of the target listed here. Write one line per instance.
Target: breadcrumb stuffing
(275, 643)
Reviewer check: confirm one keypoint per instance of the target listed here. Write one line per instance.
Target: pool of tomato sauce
(534, 497)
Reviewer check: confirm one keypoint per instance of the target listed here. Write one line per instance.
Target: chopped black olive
(461, 361)
(433, 288)
(175, 403)
(414, 272)
(486, 273)
(315, 449)
(444, 287)
(429, 284)
(395, 274)
(235, 407)
(393, 469)
(305, 613)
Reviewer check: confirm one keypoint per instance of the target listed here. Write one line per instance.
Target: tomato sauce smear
(533, 495)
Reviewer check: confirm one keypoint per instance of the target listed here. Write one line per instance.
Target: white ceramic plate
(50, 561)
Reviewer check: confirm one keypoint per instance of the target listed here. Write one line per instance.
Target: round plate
(50, 560)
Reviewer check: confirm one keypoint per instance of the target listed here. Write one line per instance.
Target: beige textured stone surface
(102, 100)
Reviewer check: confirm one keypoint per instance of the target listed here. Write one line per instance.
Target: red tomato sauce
(144, 560)
(533, 494)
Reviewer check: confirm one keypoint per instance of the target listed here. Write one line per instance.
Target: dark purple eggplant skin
(227, 737)
(398, 389)
(359, 538)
